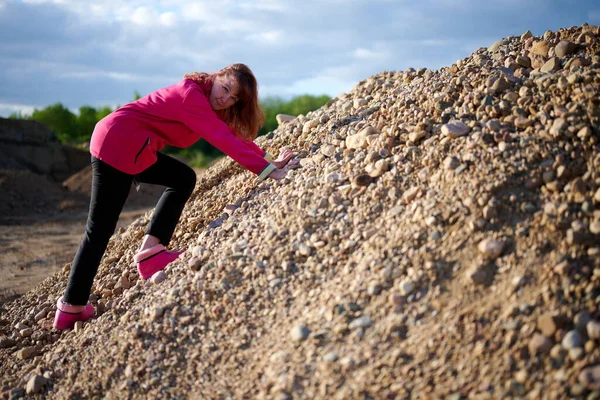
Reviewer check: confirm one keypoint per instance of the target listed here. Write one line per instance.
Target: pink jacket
(177, 115)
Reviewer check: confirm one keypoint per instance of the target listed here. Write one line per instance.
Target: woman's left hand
(284, 157)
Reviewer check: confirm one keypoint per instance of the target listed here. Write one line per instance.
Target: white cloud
(7, 109)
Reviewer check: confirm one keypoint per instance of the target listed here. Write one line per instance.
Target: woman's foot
(154, 259)
(68, 314)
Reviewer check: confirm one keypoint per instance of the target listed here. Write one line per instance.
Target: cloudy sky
(98, 52)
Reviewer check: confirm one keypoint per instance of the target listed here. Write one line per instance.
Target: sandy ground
(34, 249)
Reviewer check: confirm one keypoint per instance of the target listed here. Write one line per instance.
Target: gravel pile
(441, 239)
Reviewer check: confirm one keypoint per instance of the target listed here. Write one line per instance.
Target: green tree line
(75, 129)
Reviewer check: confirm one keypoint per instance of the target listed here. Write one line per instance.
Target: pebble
(553, 64)
(455, 129)
(25, 353)
(590, 377)
(36, 384)
(405, 288)
(491, 248)
(564, 48)
(571, 340)
(299, 333)
(360, 322)
(593, 330)
(539, 344)
(158, 277)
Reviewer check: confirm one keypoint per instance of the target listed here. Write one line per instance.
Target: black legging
(110, 188)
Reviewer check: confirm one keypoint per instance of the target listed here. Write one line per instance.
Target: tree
(86, 121)
(59, 119)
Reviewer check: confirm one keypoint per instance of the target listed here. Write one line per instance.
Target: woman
(222, 108)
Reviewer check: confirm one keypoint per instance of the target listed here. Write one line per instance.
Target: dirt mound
(440, 240)
(26, 194)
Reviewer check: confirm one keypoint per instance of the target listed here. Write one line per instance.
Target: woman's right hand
(279, 173)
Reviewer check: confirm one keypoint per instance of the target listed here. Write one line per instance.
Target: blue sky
(99, 52)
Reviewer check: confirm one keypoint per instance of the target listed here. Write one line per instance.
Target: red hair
(245, 117)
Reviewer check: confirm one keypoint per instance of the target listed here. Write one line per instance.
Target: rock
(360, 322)
(17, 393)
(526, 35)
(362, 180)
(455, 129)
(593, 330)
(328, 150)
(25, 353)
(491, 248)
(405, 288)
(416, 136)
(523, 61)
(541, 48)
(571, 340)
(36, 384)
(299, 333)
(590, 377)
(78, 327)
(283, 118)
(480, 274)
(359, 140)
(564, 48)
(539, 344)
(7, 342)
(551, 65)
(158, 277)
(523, 122)
(195, 264)
(548, 324)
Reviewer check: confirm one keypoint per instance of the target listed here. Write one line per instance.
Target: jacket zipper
(146, 143)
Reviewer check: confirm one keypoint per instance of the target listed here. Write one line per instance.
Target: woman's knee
(188, 180)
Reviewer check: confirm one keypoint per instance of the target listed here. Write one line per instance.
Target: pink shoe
(152, 260)
(66, 317)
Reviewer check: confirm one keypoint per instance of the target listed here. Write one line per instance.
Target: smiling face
(223, 93)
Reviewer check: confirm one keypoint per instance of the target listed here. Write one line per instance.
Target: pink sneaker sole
(154, 259)
(66, 320)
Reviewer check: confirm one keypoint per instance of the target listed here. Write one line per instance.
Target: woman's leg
(110, 188)
(180, 181)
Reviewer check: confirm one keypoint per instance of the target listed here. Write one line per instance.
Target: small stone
(405, 288)
(576, 353)
(360, 322)
(299, 333)
(17, 393)
(541, 48)
(590, 377)
(593, 329)
(571, 340)
(304, 249)
(195, 264)
(491, 248)
(564, 48)
(25, 353)
(78, 327)
(581, 320)
(526, 35)
(158, 277)
(547, 324)
(328, 150)
(275, 282)
(539, 344)
(523, 122)
(36, 384)
(283, 118)
(455, 129)
(551, 65)
(362, 180)
(330, 357)
(25, 333)
(7, 342)
(359, 140)
(416, 136)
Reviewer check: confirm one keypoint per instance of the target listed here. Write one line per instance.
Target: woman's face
(223, 93)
